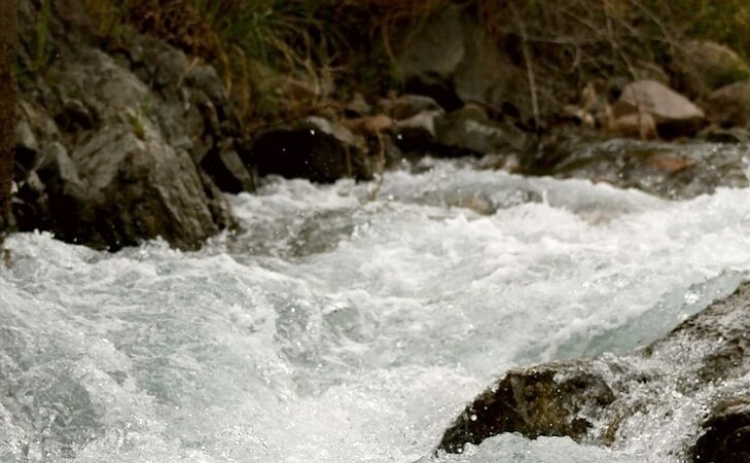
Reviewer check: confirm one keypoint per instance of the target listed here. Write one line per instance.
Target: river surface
(337, 329)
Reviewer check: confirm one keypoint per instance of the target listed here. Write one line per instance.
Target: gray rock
(142, 111)
(674, 114)
(136, 190)
(453, 60)
(485, 75)
(431, 57)
(470, 131)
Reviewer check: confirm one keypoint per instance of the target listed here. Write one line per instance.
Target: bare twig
(529, 67)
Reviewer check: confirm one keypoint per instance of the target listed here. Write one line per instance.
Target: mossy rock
(702, 67)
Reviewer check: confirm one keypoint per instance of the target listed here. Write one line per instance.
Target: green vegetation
(282, 57)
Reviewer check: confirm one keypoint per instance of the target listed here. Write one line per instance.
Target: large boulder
(698, 365)
(673, 113)
(139, 189)
(702, 67)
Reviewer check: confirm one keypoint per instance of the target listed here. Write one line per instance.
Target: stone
(634, 125)
(431, 56)
(314, 148)
(729, 106)
(416, 135)
(194, 111)
(485, 75)
(131, 193)
(227, 170)
(703, 66)
(469, 131)
(701, 362)
(112, 117)
(733, 135)
(558, 399)
(674, 114)
(726, 436)
(407, 106)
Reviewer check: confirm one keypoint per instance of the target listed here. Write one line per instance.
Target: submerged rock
(669, 170)
(602, 401)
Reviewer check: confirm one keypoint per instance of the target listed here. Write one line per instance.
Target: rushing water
(337, 329)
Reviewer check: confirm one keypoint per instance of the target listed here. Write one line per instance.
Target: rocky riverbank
(120, 142)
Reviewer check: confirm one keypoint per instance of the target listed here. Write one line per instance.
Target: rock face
(674, 114)
(702, 361)
(120, 147)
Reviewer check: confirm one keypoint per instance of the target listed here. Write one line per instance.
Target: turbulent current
(340, 329)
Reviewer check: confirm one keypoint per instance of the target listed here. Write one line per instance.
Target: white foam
(341, 330)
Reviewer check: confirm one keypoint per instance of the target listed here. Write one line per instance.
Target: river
(338, 329)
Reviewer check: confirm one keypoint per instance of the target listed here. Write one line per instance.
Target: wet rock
(726, 437)
(551, 400)
(416, 136)
(669, 170)
(729, 106)
(315, 149)
(674, 114)
(469, 131)
(733, 135)
(604, 401)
